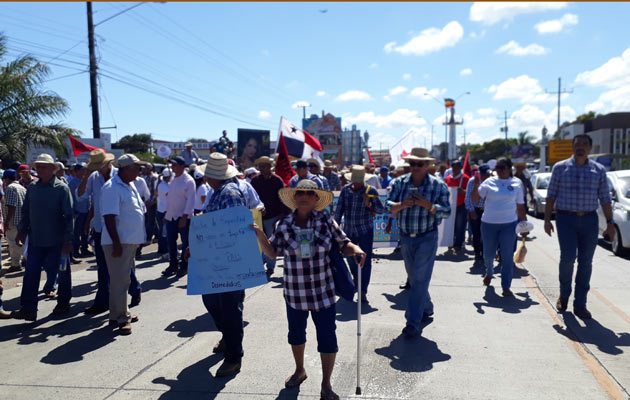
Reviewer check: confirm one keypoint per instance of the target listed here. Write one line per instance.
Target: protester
(370, 178)
(25, 175)
(201, 191)
(123, 213)
(503, 209)
(47, 220)
(251, 173)
(189, 155)
(3, 314)
(385, 179)
(100, 171)
(150, 178)
(162, 200)
(575, 187)
(458, 179)
(314, 168)
(475, 211)
(331, 176)
(15, 195)
(179, 210)
(267, 185)
(81, 211)
(525, 181)
(420, 211)
(303, 173)
(141, 186)
(357, 205)
(308, 280)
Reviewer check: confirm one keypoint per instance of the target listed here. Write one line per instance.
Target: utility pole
(96, 130)
(559, 93)
(505, 129)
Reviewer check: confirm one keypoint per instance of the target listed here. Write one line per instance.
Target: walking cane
(358, 391)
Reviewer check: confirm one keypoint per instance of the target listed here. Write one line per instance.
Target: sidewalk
(479, 346)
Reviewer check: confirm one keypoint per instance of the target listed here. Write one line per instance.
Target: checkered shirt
(416, 219)
(296, 179)
(333, 181)
(15, 194)
(576, 188)
(471, 205)
(227, 196)
(358, 219)
(308, 283)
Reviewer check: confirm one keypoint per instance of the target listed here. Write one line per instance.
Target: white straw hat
(45, 159)
(287, 195)
(217, 167)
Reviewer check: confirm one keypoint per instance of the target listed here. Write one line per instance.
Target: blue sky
(369, 63)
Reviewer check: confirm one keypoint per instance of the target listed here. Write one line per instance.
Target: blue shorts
(324, 325)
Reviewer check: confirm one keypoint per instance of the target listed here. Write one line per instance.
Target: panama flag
(300, 144)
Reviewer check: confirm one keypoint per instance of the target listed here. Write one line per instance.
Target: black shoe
(410, 332)
(219, 347)
(171, 270)
(74, 260)
(406, 286)
(86, 253)
(228, 369)
(61, 309)
(93, 310)
(182, 271)
(364, 299)
(135, 300)
(26, 315)
(582, 313)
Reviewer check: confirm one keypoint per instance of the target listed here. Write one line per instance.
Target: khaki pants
(15, 251)
(119, 269)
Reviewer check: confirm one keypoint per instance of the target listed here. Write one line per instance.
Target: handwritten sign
(221, 256)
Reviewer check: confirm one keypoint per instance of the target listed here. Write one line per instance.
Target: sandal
(328, 394)
(294, 381)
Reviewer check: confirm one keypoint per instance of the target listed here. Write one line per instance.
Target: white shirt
(162, 200)
(93, 188)
(501, 197)
(123, 201)
(142, 188)
(374, 182)
(251, 197)
(181, 197)
(202, 191)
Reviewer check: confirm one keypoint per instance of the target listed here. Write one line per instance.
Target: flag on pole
(299, 144)
(283, 165)
(368, 156)
(403, 147)
(80, 147)
(449, 103)
(467, 169)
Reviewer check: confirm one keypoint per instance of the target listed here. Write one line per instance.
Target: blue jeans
(577, 236)
(227, 311)
(502, 236)
(324, 326)
(162, 240)
(365, 242)
(419, 256)
(80, 238)
(102, 292)
(461, 216)
(172, 231)
(49, 258)
(268, 227)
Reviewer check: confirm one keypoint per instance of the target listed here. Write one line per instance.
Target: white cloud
(470, 122)
(465, 72)
(399, 118)
(429, 40)
(613, 73)
(514, 49)
(406, 77)
(351, 95)
(321, 93)
(532, 119)
(382, 138)
(420, 92)
(486, 111)
(489, 13)
(613, 100)
(395, 92)
(556, 25)
(264, 114)
(373, 66)
(524, 88)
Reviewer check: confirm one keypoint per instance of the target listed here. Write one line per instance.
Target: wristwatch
(610, 221)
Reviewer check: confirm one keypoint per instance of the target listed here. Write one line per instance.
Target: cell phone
(413, 192)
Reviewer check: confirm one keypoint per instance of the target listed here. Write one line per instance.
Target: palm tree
(525, 138)
(26, 108)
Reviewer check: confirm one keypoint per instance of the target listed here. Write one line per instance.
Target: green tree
(136, 143)
(587, 116)
(525, 138)
(493, 149)
(27, 109)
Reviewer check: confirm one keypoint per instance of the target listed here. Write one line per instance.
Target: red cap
(231, 162)
(23, 167)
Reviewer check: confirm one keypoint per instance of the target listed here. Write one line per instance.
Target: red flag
(370, 156)
(283, 165)
(79, 147)
(467, 169)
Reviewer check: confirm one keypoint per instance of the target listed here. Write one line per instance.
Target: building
(381, 157)
(203, 149)
(352, 146)
(326, 129)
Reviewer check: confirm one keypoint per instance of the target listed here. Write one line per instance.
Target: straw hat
(98, 159)
(419, 154)
(45, 159)
(263, 160)
(357, 174)
(287, 195)
(217, 167)
(328, 164)
(128, 159)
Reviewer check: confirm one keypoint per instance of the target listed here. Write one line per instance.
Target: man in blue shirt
(81, 211)
(301, 168)
(385, 178)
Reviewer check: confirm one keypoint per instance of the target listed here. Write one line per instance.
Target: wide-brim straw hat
(98, 159)
(419, 154)
(356, 174)
(263, 160)
(45, 159)
(287, 195)
(218, 168)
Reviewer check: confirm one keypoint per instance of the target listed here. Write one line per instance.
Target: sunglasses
(306, 192)
(416, 164)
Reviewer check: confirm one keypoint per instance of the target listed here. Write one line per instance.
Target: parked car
(540, 182)
(619, 186)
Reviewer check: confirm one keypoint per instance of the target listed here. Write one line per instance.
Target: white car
(619, 186)
(540, 182)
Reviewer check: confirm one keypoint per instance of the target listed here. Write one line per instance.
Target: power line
(560, 92)
(65, 76)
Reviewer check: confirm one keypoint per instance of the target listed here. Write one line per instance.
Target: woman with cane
(305, 238)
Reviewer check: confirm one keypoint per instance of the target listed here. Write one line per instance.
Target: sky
(191, 70)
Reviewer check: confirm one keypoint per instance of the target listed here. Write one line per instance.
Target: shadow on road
(412, 355)
(188, 328)
(510, 305)
(74, 350)
(595, 333)
(394, 255)
(347, 310)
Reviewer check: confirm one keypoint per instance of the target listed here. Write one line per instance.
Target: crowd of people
(49, 217)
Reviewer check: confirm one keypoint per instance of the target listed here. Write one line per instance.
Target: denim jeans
(172, 231)
(577, 236)
(149, 222)
(102, 292)
(268, 227)
(162, 240)
(365, 242)
(51, 281)
(80, 238)
(461, 216)
(49, 258)
(324, 327)
(502, 236)
(419, 256)
(227, 311)
(475, 224)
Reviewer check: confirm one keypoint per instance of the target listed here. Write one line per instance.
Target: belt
(413, 235)
(578, 213)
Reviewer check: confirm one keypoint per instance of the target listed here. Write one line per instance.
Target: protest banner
(221, 256)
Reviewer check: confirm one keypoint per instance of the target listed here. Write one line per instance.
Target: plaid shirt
(416, 219)
(15, 194)
(333, 181)
(308, 283)
(358, 219)
(296, 179)
(227, 196)
(576, 188)
(471, 205)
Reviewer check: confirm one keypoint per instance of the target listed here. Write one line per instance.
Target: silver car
(540, 182)
(619, 186)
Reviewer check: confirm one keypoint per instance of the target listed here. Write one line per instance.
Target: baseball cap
(9, 174)
(23, 167)
(300, 164)
(179, 160)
